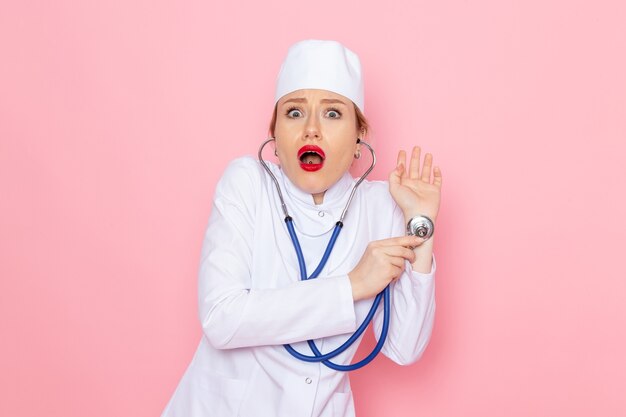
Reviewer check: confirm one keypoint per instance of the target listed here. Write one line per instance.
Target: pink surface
(117, 118)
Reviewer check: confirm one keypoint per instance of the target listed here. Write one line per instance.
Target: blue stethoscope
(317, 355)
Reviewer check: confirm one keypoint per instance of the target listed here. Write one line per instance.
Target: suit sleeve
(412, 309)
(233, 314)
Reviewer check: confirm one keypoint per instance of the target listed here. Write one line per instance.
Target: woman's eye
(333, 114)
(294, 113)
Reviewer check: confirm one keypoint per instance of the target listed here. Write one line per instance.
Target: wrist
(356, 293)
(408, 215)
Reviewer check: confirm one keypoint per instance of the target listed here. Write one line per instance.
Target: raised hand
(417, 191)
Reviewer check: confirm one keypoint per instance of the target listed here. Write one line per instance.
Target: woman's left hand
(417, 191)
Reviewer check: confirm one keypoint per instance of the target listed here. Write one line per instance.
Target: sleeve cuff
(423, 275)
(345, 305)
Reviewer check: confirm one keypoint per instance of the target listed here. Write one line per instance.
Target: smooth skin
(328, 120)
(321, 118)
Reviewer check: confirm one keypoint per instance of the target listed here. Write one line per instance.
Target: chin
(312, 188)
(311, 182)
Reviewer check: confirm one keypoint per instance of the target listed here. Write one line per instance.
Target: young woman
(252, 300)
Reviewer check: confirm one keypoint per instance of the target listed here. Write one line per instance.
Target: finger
(400, 252)
(414, 165)
(397, 261)
(400, 241)
(420, 241)
(397, 271)
(395, 177)
(401, 163)
(428, 163)
(437, 177)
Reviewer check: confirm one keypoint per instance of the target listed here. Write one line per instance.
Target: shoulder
(245, 165)
(377, 194)
(377, 199)
(241, 179)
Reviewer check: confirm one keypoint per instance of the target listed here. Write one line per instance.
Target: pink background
(117, 118)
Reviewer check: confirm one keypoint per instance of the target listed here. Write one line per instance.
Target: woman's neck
(318, 198)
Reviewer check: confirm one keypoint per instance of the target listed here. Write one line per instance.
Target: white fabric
(322, 65)
(251, 300)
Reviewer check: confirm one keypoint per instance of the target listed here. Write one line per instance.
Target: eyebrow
(324, 100)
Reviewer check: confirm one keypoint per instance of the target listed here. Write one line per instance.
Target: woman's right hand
(382, 262)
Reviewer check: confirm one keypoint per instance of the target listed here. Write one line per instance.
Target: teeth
(311, 157)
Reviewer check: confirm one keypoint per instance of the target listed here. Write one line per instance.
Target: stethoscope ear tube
(367, 172)
(318, 356)
(267, 169)
(280, 194)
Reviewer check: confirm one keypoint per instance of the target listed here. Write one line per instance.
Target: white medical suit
(251, 299)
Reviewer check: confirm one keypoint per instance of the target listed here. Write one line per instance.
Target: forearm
(412, 316)
(423, 257)
(254, 317)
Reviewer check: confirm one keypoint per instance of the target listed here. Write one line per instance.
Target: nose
(312, 129)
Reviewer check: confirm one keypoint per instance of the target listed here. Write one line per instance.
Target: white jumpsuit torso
(251, 299)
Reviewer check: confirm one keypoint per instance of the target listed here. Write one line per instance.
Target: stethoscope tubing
(324, 358)
(385, 294)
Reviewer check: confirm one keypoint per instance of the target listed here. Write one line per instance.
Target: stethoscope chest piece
(420, 226)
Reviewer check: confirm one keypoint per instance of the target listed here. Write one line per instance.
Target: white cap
(323, 65)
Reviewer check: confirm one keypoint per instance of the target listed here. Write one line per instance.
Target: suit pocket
(223, 395)
(342, 404)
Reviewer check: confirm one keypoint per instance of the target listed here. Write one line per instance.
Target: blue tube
(346, 344)
(375, 351)
(296, 245)
(329, 248)
(325, 358)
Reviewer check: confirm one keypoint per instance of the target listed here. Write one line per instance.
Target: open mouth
(311, 157)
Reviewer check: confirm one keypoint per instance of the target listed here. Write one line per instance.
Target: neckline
(336, 195)
(312, 219)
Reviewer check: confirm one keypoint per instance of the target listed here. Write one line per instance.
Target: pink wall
(117, 118)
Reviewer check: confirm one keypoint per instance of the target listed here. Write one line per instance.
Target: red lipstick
(311, 154)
